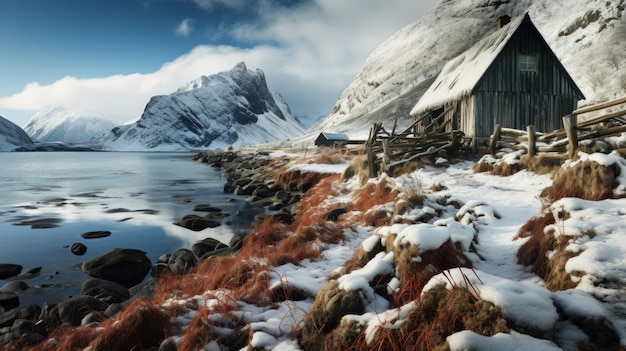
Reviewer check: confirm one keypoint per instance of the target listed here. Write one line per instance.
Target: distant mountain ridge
(230, 108)
(59, 124)
(588, 38)
(12, 136)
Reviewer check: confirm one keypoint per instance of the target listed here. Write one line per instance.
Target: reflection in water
(48, 199)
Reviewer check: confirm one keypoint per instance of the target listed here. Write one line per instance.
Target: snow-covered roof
(460, 75)
(335, 136)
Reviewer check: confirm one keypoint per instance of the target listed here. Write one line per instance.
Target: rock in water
(96, 234)
(125, 266)
(105, 290)
(78, 249)
(8, 270)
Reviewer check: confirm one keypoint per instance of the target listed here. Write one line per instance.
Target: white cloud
(314, 51)
(185, 28)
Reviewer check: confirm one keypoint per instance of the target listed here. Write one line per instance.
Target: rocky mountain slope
(12, 136)
(55, 124)
(588, 38)
(231, 108)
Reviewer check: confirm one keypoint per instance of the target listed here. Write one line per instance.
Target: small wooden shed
(331, 139)
(510, 77)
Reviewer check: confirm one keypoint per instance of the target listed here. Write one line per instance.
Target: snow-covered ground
(495, 208)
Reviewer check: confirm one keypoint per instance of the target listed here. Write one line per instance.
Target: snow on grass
(526, 304)
(469, 340)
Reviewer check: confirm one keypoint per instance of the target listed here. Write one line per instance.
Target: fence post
(569, 122)
(370, 160)
(386, 152)
(532, 141)
(494, 140)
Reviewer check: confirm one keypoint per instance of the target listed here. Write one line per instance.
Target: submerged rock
(196, 223)
(8, 270)
(96, 234)
(125, 266)
(78, 249)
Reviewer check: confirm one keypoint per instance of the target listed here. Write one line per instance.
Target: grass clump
(586, 180)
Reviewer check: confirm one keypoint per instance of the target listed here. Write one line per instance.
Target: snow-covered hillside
(229, 108)
(55, 124)
(586, 35)
(12, 136)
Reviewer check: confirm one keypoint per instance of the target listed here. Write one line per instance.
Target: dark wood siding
(515, 98)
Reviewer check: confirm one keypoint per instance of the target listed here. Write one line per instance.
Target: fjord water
(135, 196)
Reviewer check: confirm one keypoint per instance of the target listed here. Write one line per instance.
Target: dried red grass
(373, 194)
(414, 275)
(76, 338)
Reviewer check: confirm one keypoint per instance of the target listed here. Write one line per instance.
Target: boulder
(201, 247)
(181, 261)
(96, 234)
(78, 249)
(9, 300)
(145, 289)
(125, 266)
(196, 223)
(8, 270)
(16, 286)
(73, 310)
(105, 290)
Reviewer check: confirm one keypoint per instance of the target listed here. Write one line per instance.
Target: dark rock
(220, 252)
(236, 241)
(22, 326)
(201, 247)
(206, 208)
(8, 270)
(92, 319)
(125, 266)
(9, 300)
(159, 269)
(181, 261)
(283, 217)
(114, 308)
(229, 188)
(105, 290)
(335, 214)
(73, 310)
(196, 223)
(16, 286)
(145, 289)
(164, 258)
(78, 249)
(29, 312)
(96, 234)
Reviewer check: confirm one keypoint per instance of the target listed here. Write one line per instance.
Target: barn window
(528, 62)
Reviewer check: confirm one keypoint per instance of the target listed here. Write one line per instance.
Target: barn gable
(510, 77)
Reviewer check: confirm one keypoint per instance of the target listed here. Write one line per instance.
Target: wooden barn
(511, 78)
(331, 139)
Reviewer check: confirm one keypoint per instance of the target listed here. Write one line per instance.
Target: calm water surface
(136, 196)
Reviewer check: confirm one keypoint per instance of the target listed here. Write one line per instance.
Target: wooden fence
(387, 150)
(578, 126)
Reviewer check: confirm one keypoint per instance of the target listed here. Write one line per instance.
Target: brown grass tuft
(373, 194)
(481, 167)
(587, 180)
(139, 326)
(534, 252)
(505, 169)
(543, 164)
(358, 166)
(411, 196)
(414, 275)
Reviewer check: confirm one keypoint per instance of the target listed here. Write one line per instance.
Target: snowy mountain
(229, 108)
(588, 38)
(55, 124)
(12, 136)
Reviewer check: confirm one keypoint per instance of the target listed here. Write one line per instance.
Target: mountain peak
(232, 107)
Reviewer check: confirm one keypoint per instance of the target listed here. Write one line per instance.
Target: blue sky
(107, 57)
